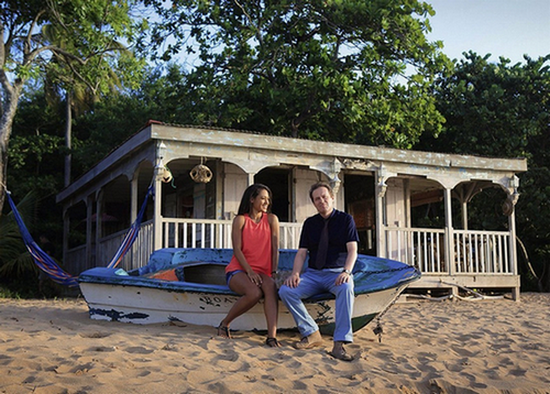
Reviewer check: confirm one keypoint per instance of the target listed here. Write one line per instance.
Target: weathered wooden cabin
(199, 175)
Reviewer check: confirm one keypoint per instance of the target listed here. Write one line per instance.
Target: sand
(484, 346)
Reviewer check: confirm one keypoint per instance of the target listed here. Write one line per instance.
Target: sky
(508, 28)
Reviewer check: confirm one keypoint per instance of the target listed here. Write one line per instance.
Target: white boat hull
(142, 305)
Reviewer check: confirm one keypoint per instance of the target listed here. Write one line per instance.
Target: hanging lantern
(165, 175)
(201, 173)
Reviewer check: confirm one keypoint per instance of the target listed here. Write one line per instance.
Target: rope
(378, 330)
(132, 233)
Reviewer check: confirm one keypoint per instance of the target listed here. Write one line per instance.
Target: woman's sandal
(224, 332)
(272, 342)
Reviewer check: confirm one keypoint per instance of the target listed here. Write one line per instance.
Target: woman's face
(261, 202)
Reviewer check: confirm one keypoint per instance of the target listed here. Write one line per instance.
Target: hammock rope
(51, 268)
(132, 233)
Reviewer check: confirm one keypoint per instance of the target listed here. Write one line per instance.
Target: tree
(492, 109)
(81, 36)
(503, 110)
(341, 70)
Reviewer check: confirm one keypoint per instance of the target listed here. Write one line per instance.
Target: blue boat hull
(188, 285)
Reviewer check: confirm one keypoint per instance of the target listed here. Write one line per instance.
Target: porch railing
(207, 233)
(420, 247)
(180, 233)
(474, 252)
(136, 257)
(482, 252)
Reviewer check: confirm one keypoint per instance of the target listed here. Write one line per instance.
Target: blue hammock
(51, 268)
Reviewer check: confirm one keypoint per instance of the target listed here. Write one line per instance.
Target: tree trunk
(11, 94)
(3, 169)
(68, 135)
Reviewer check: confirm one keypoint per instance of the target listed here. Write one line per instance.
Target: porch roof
(256, 149)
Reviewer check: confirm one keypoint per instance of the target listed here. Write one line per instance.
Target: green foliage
(15, 261)
(76, 44)
(71, 39)
(493, 109)
(503, 110)
(159, 97)
(36, 160)
(331, 70)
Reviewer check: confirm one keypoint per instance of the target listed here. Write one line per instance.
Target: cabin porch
(408, 206)
(479, 259)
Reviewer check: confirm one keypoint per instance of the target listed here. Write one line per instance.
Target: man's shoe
(340, 353)
(311, 341)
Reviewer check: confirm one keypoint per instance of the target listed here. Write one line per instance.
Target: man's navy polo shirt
(341, 230)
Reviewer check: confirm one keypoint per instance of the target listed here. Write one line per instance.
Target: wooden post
(449, 241)
(380, 209)
(134, 207)
(157, 215)
(98, 227)
(513, 252)
(66, 228)
(89, 240)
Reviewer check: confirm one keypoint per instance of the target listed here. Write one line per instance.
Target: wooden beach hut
(199, 175)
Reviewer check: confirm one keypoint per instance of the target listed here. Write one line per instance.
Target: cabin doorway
(359, 194)
(277, 180)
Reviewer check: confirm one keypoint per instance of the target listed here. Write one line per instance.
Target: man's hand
(344, 277)
(293, 280)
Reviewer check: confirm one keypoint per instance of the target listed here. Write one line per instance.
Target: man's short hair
(317, 186)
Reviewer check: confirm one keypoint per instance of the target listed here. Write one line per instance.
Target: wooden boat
(188, 285)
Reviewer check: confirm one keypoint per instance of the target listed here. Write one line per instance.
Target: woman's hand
(255, 278)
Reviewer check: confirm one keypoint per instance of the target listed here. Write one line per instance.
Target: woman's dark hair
(251, 193)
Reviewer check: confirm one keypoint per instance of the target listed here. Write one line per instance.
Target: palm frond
(14, 258)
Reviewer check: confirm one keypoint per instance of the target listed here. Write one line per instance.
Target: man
(330, 238)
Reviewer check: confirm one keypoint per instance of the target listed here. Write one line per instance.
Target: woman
(255, 236)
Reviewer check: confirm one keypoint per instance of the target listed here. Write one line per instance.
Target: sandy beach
(485, 346)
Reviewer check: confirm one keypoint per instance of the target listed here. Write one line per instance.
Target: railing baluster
(425, 250)
(176, 235)
(506, 245)
(500, 257)
(414, 246)
(457, 248)
(494, 254)
(470, 254)
(439, 262)
(398, 245)
(483, 251)
(433, 250)
(465, 252)
(476, 253)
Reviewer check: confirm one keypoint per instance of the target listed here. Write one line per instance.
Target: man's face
(323, 201)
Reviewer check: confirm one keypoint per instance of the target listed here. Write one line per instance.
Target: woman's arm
(274, 224)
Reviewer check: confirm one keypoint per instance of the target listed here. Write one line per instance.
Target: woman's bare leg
(251, 294)
(271, 305)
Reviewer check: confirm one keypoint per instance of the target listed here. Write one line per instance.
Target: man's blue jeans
(314, 282)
